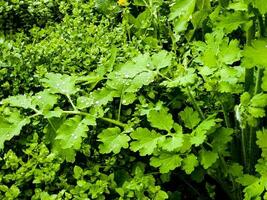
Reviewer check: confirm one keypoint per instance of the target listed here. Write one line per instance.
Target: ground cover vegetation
(137, 99)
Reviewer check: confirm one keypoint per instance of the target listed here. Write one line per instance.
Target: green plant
(120, 100)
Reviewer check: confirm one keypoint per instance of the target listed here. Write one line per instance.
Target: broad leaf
(181, 13)
(208, 158)
(161, 60)
(71, 133)
(44, 100)
(259, 100)
(58, 83)
(113, 140)
(160, 119)
(21, 101)
(189, 163)
(190, 118)
(172, 142)
(255, 55)
(166, 162)
(11, 126)
(146, 141)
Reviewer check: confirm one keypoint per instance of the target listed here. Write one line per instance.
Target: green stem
(243, 144)
(114, 122)
(118, 123)
(258, 80)
(249, 80)
(193, 101)
(252, 131)
(52, 125)
(71, 102)
(225, 115)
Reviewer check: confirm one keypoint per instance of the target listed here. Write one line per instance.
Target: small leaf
(166, 162)
(198, 136)
(113, 140)
(236, 170)
(160, 119)
(208, 158)
(190, 118)
(189, 163)
(262, 139)
(146, 141)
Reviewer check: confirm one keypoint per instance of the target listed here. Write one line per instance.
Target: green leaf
(58, 83)
(230, 53)
(172, 142)
(262, 139)
(44, 100)
(161, 60)
(189, 163)
(261, 5)
(160, 119)
(255, 55)
(208, 158)
(96, 98)
(181, 13)
(221, 137)
(246, 180)
(21, 101)
(231, 21)
(238, 6)
(71, 133)
(185, 78)
(11, 126)
(235, 170)
(166, 162)
(113, 140)
(259, 100)
(198, 136)
(190, 117)
(264, 81)
(256, 112)
(146, 141)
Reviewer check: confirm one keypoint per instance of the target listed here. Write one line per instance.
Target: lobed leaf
(112, 140)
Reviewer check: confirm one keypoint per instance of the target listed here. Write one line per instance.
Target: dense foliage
(137, 99)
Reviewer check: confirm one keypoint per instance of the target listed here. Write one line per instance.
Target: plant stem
(225, 115)
(71, 102)
(243, 143)
(258, 80)
(52, 125)
(118, 123)
(193, 101)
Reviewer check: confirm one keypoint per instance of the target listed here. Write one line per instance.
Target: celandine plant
(143, 99)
